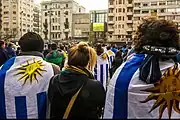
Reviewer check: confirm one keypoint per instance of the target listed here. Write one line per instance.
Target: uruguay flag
(125, 93)
(24, 82)
(111, 57)
(101, 70)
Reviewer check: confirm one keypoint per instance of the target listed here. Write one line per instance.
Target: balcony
(129, 13)
(111, 6)
(110, 14)
(129, 5)
(66, 30)
(111, 22)
(110, 30)
(129, 30)
(129, 21)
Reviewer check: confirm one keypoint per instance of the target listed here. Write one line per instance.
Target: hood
(70, 81)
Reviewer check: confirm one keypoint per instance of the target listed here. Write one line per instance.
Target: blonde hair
(82, 54)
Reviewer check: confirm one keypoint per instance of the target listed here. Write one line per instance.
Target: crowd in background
(78, 80)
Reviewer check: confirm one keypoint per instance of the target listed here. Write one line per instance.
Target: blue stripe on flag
(42, 102)
(101, 74)
(107, 71)
(95, 72)
(122, 84)
(21, 108)
(3, 71)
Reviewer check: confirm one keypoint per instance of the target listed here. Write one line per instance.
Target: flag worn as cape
(111, 57)
(126, 92)
(24, 82)
(101, 70)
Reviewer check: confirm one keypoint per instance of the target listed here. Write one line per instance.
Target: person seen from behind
(75, 86)
(10, 50)
(101, 71)
(25, 80)
(147, 86)
(56, 57)
(3, 53)
(118, 60)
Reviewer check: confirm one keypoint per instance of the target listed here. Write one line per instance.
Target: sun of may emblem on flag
(166, 92)
(30, 71)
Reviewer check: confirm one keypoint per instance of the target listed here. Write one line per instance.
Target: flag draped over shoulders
(101, 70)
(126, 93)
(24, 82)
(111, 57)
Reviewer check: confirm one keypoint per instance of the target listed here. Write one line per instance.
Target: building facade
(17, 18)
(125, 15)
(99, 25)
(37, 27)
(57, 18)
(81, 26)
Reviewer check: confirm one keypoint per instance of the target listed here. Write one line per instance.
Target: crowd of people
(102, 81)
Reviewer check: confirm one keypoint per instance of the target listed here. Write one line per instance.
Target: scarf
(81, 70)
(149, 70)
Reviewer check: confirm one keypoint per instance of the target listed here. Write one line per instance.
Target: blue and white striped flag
(125, 93)
(111, 57)
(101, 70)
(24, 82)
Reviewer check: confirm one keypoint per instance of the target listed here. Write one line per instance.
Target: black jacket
(89, 102)
(3, 56)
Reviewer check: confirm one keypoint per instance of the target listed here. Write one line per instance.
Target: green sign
(98, 27)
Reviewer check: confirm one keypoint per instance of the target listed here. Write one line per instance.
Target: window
(53, 20)
(120, 10)
(171, 2)
(120, 1)
(45, 6)
(45, 20)
(53, 27)
(145, 11)
(122, 25)
(123, 18)
(67, 5)
(162, 10)
(119, 18)
(124, 10)
(6, 12)
(137, 4)
(161, 17)
(119, 26)
(136, 11)
(59, 13)
(136, 18)
(45, 13)
(162, 3)
(145, 4)
(171, 17)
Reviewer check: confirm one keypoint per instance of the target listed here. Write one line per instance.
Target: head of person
(54, 46)
(124, 46)
(2, 44)
(31, 42)
(10, 45)
(118, 54)
(154, 32)
(159, 39)
(108, 47)
(81, 55)
(99, 49)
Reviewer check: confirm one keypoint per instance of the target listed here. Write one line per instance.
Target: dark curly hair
(154, 32)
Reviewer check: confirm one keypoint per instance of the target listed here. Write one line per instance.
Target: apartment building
(57, 18)
(124, 15)
(81, 26)
(37, 27)
(162, 9)
(17, 18)
(120, 15)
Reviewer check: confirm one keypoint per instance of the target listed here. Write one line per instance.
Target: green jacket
(55, 57)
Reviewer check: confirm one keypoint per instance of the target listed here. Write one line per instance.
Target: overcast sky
(91, 4)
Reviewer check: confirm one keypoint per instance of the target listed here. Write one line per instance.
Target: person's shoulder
(94, 84)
